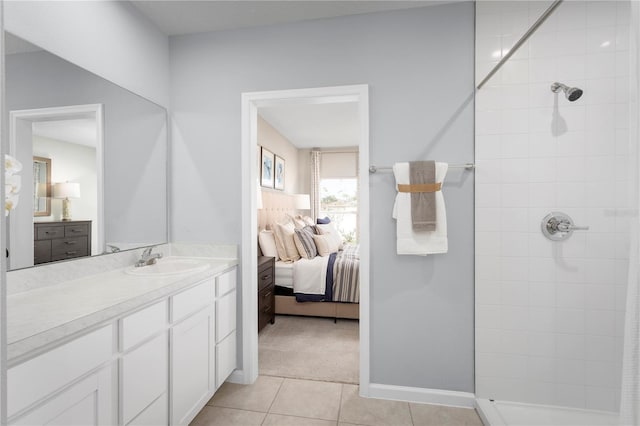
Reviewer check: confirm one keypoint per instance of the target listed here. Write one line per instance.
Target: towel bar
(466, 166)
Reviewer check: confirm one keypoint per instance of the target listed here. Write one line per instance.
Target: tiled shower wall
(549, 315)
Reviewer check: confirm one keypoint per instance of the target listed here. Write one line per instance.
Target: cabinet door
(192, 365)
(89, 402)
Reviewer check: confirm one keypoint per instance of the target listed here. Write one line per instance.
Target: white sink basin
(169, 266)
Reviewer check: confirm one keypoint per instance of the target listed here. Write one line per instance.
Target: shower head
(572, 93)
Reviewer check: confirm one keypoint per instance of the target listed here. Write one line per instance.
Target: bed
(341, 291)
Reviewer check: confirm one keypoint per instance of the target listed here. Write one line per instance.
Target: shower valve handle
(558, 226)
(564, 226)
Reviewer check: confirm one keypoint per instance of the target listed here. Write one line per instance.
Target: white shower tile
(489, 48)
(600, 297)
(514, 219)
(488, 316)
(514, 244)
(601, 65)
(570, 296)
(514, 96)
(600, 220)
(541, 119)
(488, 243)
(488, 171)
(571, 169)
(600, 348)
(514, 342)
(599, 245)
(620, 294)
(601, 398)
(543, 45)
(540, 392)
(600, 142)
(622, 37)
(488, 268)
(600, 271)
(515, 293)
(570, 346)
(542, 319)
(573, 115)
(572, 14)
(542, 170)
(540, 96)
(541, 368)
(489, 98)
(600, 91)
(515, 318)
(487, 340)
(601, 39)
(515, 23)
(514, 269)
(515, 195)
(573, 248)
(621, 64)
(570, 68)
(544, 70)
(621, 116)
(542, 195)
(571, 371)
(601, 118)
(541, 269)
(541, 344)
(600, 169)
(488, 292)
(488, 195)
(515, 71)
(515, 145)
(515, 121)
(488, 122)
(542, 294)
(571, 194)
(600, 373)
(515, 170)
(508, 41)
(488, 219)
(601, 13)
(622, 89)
(572, 144)
(571, 395)
(570, 320)
(571, 42)
(539, 246)
(600, 322)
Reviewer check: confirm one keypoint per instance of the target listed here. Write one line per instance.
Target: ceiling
(331, 125)
(177, 17)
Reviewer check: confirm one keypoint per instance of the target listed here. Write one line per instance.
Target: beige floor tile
(279, 420)
(372, 412)
(256, 397)
(218, 416)
(438, 415)
(304, 398)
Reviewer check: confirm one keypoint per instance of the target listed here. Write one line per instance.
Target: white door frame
(249, 256)
(19, 127)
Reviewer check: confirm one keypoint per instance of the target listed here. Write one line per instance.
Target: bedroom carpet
(310, 348)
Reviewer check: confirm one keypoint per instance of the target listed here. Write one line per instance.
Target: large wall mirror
(104, 150)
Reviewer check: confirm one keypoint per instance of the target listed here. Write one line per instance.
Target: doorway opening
(253, 104)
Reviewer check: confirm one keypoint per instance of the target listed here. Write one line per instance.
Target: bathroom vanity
(129, 347)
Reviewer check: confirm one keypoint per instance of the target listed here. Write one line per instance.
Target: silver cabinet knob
(558, 226)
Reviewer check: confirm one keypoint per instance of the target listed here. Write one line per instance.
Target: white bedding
(284, 274)
(310, 275)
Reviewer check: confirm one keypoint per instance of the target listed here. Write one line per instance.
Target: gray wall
(419, 65)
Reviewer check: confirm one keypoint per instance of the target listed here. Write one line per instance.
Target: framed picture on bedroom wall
(266, 168)
(279, 178)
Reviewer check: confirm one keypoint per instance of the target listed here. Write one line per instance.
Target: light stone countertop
(38, 318)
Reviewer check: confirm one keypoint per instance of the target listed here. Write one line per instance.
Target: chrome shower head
(572, 93)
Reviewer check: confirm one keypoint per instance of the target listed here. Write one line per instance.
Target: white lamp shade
(259, 200)
(66, 190)
(303, 202)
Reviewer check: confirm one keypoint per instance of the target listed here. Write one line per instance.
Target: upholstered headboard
(276, 206)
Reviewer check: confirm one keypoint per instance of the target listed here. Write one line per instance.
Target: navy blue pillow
(324, 221)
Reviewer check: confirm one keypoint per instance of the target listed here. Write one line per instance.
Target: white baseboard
(238, 377)
(422, 395)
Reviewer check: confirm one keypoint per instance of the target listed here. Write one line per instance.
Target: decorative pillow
(326, 244)
(284, 237)
(297, 221)
(324, 221)
(303, 239)
(329, 229)
(308, 220)
(267, 242)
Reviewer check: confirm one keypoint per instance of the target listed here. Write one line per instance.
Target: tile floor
(278, 401)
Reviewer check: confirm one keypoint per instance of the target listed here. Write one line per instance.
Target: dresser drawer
(49, 232)
(68, 248)
(41, 251)
(76, 230)
(265, 277)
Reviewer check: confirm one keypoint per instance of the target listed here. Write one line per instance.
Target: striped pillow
(304, 242)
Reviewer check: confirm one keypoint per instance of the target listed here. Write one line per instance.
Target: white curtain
(630, 395)
(315, 183)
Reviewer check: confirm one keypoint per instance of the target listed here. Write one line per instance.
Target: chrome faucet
(147, 258)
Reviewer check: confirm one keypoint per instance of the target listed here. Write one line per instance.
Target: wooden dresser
(61, 240)
(266, 291)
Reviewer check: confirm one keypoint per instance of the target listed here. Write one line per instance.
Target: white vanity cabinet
(71, 384)
(157, 365)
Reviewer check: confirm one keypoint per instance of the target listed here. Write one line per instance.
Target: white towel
(419, 243)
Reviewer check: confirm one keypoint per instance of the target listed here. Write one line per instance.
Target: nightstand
(266, 291)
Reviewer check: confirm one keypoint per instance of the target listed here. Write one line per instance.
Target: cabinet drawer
(76, 230)
(156, 414)
(49, 232)
(137, 327)
(144, 376)
(265, 277)
(41, 251)
(225, 358)
(226, 282)
(225, 315)
(193, 299)
(34, 379)
(66, 248)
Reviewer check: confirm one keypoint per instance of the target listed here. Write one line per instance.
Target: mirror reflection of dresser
(62, 240)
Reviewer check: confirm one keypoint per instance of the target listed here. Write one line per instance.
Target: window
(339, 201)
